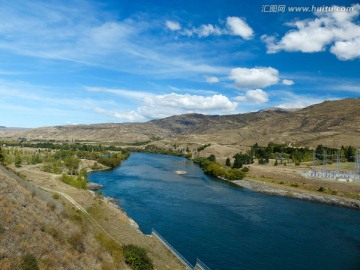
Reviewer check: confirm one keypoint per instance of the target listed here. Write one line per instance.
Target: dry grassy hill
(34, 223)
(333, 123)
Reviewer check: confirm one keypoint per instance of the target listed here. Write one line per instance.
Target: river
(227, 227)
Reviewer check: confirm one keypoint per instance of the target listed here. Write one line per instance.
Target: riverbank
(274, 189)
(112, 219)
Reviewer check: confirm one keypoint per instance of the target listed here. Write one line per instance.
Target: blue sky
(84, 62)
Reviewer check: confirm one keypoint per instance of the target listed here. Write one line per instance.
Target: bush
(235, 174)
(321, 189)
(245, 169)
(2, 229)
(17, 161)
(78, 182)
(29, 262)
(76, 241)
(137, 258)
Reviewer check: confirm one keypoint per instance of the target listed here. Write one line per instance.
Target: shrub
(321, 189)
(245, 169)
(2, 229)
(17, 161)
(262, 161)
(76, 241)
(137, 258)
(79, 181)
(235, 174)
(51, 206)
(29, 262)
(56, 196)
(295, 185)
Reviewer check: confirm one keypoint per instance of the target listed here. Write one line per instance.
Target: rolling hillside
(332, 123)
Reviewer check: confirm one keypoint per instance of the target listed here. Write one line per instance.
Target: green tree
(2, 156)
(72, 164)
(17, 161)
(237, 163)
(228, 162)
(212, 158)
(349, 153)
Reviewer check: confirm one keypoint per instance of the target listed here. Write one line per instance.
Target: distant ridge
(333, 123)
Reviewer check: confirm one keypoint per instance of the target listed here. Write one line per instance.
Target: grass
(110, 246)
(307, 187)
(29, 262)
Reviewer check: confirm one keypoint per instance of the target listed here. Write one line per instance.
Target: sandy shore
(273, 189)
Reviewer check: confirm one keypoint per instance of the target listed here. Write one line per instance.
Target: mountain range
(331, 123)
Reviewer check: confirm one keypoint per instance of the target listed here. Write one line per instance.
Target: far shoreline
(273, 189)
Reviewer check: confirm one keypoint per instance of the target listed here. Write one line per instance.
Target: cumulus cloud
(256, 96)
(259, 77)
(212, 79)
(339, 30)
(173, 26)
(287, 82)
(239, 27)
(234, 26)
(157, 106)
(193, 102)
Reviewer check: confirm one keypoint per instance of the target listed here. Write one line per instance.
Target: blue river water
(228, 227)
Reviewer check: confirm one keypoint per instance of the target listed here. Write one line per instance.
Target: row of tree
(300, 154)
(211, 167)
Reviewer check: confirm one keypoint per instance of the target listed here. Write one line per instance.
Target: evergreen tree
(2, 157)
(212, 158)
(228, 162)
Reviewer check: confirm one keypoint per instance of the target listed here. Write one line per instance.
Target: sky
(85, 62)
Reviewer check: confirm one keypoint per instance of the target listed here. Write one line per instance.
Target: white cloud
(120, 92)
(239, 27)
(287, 82)
(256, 96)
(193, 102)
(90, 37)
(347, 50)
(289, 100)
(204, 30)
(339, 30)
(212, 79)
(158, 106)
(132, 116)
(234, 26)
(173, 26)
(261, 77)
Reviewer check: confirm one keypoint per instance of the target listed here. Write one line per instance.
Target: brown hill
(333, 123)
